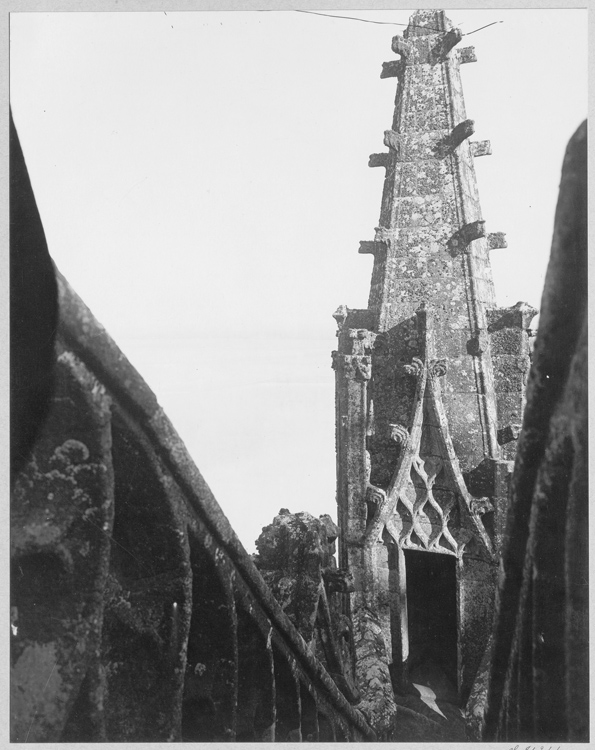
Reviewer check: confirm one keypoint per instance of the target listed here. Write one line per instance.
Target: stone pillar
(510, 338)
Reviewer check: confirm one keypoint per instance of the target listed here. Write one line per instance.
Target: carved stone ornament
(399, 434)
(401, 47)
(362, 340)
(340, 315)
(481, 505)
(467, 55)
(454, 139)
(353, 366)
(375, 495)
(438, 368)
(415, 368)
(461, 239)
(392, 69)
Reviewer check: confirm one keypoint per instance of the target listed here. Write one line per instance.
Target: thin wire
(482, 27)
(389, 23)
(352, 18)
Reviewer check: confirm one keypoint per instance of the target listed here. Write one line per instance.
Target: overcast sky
(203, 183)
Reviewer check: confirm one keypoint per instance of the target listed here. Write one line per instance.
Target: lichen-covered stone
(440, 392)
(539, 680)
(62, 516)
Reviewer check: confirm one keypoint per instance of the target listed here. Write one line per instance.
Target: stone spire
(430, 377)
(431, 247)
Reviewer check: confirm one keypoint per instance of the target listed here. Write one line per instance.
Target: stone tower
(429, 392)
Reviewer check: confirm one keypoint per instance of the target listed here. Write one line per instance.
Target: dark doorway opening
(432, 621)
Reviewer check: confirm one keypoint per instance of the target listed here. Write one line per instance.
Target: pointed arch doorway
(431, 592)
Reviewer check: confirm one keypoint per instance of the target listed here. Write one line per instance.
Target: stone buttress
(429, 392)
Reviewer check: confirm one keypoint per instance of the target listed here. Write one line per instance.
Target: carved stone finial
(414, 368)
(371, 247)
(340, 315)
(399, 434)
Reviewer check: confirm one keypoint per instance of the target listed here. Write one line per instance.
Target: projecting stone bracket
(373, 247)
(509, 433)
(444, 45)
(466, 55)
(392, 69)
(419, 52)
(460, 240)
(400, 47)
(480, 148)
(378, 160)
(458, 134)
(497, 240)
(517, 316)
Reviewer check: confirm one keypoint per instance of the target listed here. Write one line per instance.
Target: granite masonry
(430, 382)
(449, 601)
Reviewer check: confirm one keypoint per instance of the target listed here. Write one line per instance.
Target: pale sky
(203, 183)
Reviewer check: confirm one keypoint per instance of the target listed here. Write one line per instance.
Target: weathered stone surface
(62, 516)
(466, 55)
(480, 148)
(296, 559)
(424, 416)
(150, 623)
(291, 558)
(539, 673)
(476, 705)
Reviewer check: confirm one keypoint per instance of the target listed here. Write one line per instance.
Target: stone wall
(539, 681)
(136, 614)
